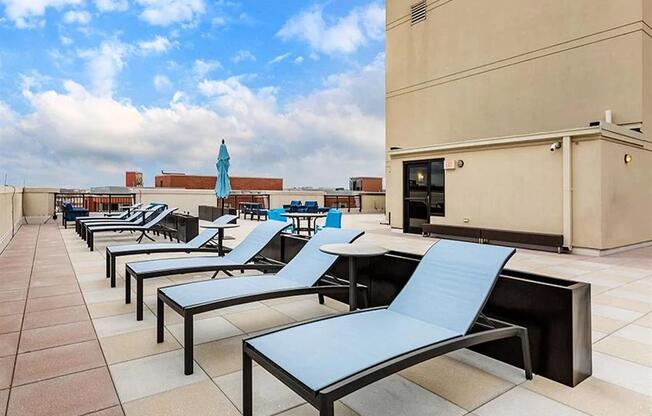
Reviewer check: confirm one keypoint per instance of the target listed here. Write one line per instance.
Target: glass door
(423, 193)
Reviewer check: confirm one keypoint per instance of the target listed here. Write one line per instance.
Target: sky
(90, 89)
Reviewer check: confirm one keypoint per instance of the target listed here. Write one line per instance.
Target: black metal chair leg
(188, 343)
(160, 320)
(527, 359)
(326, 408)
(108, 265)
(127, 287)
(112, 268)
(247, 386)
(139, 299)
(321, 298)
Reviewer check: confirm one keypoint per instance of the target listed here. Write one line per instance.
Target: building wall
(479, 68)
(208, 182)
(7, 199)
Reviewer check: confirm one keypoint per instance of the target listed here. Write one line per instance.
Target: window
(437, 191)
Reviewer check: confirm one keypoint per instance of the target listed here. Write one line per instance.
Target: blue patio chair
(333, 220)
(310, 207)
(303, 275)
(438, 311)
(293, 206)
(275, 215)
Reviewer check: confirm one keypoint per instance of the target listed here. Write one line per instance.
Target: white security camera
(555, 146)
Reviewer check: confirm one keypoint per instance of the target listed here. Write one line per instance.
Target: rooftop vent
(418, 12)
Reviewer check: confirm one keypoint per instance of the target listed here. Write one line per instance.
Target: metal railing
(234, 200)
(94, 202)
(343, 201)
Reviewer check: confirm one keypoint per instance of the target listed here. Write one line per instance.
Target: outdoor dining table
(296, 218)
(220, 234)
(353, 252)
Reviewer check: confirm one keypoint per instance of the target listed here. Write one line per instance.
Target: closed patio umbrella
(223, 184)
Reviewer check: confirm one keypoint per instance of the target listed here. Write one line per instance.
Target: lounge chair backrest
(208, 234)
(158, 218)
(256, 241)
(310, 264)
(452, 283)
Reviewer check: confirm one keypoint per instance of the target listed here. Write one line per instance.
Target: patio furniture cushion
(324, 352)
(219, 289)
(126, 248)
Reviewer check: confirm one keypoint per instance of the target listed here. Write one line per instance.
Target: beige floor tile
(221, 357)
(206, 330)
(499, 369)
(112, 308)
(151, 375)
(121, 324)
(636, 333)
(304, 309)
(132, 345)
(615, 313)
(623, 373)
(645, 321)
(466, 386)
(520, 401)
(622, 303)
(606, 325)
(258, 319)
(626, 349)
(597, 336)
(202, 398)
(396, 396)
(594, 396)
(270, 395)
(308, 410)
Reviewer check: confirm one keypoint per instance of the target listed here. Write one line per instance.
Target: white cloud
(167, 12)
(201, 68)
(162, 83)
(218, 21)
(102, 136)
(340, 36)
(29, 13)
(112, 5)
(104, 64)
(298, 60)
(65, 40)
(243, 55)
(280, 58)
(159, 44)
(81, 17)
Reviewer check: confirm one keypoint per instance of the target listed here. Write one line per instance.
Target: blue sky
(92, 88)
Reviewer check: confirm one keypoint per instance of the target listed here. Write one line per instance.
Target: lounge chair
(327, 359)
(197, 244)
(151, 225)
(239, 258)
(137, 217)
(300, 276)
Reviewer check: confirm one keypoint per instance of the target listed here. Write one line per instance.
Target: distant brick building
(366, 184)
(133, 179)
(238, 183)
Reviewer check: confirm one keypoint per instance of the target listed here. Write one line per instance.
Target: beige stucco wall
(626, 195)
(647, 78)
(492, 189)
(7, 199)
(372, 202)
(479, 69)
(38, 204)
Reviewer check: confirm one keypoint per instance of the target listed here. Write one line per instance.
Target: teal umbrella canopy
(223, 184)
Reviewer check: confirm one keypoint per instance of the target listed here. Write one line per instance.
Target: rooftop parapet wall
(11, 213)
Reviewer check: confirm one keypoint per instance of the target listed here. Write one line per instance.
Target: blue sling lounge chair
(150, 225)
(327, 359)
(239, 258)
(197, 244)
(301, 276)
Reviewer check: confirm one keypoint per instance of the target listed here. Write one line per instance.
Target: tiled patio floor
(70, 346)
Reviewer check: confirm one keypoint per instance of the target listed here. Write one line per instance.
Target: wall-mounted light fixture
(628, 158)
(460, 163)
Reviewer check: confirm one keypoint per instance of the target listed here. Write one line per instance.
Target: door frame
(428, 165)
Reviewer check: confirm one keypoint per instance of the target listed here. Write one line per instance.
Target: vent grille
(418, 12)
